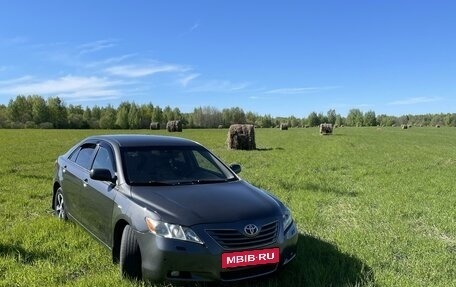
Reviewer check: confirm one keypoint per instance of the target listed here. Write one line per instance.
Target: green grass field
(374, 207)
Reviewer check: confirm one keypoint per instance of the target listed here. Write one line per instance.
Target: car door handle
(85, 182)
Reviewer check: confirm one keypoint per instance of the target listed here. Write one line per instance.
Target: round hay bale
(326, 129)
(437, 126)
(174, 126)
(283, 126)
(241, 137)
(154, 126)
(220, 126)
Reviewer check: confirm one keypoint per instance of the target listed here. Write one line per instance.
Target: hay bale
(326, 129)
(174, 126)
(154, 126)
(437, 126)
(283, 126)
(241, 137)
(220, 126)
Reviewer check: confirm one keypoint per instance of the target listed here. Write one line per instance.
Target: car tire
(130, 255)
(59, 205)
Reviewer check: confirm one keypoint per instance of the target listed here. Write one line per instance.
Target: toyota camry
(169, 209)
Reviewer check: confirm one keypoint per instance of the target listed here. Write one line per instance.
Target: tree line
(36, 112)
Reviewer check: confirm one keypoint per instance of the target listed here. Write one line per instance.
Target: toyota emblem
(251, 230)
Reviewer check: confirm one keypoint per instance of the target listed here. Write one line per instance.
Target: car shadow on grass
(20, 254)
(318, 263)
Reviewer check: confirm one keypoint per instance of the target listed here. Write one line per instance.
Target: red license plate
(251, 257)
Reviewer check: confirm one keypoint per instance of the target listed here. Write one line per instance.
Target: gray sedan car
(168, 209)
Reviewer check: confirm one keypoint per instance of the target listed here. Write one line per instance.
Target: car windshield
(172, 166)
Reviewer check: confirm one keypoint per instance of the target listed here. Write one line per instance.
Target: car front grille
(232, 239)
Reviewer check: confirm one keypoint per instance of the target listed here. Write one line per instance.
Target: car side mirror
(102, 174)
(236, 167)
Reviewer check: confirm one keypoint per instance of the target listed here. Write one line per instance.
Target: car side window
(103, 160)
(85, 155)
(205, 163)
(74, 154)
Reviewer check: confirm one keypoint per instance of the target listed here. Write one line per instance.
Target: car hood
(207, 203)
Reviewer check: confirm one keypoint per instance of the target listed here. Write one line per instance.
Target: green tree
(145, 115)
(322, 118)
(168, 114)
(339, 120)
(3, 116)
(385, 120)
(250, 117)
(313, 120)
(122, 115)
(157, 115)
(75, 117)
(354, 118)
(20, 110)
(108, 118)
(57, 113)
(133, 117)
(267, 121)
(369, 119)
(40, 110)
(331, 116)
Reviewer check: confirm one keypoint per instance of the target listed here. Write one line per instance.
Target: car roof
(135, 140)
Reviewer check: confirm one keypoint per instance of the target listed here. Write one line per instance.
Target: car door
(74, 170)
(98, 196)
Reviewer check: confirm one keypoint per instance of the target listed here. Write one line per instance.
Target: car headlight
(287, 219)
(174, 231)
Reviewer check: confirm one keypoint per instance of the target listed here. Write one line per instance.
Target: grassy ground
(375, 207)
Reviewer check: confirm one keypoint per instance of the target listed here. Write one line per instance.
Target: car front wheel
(130, 255)
(59, 205)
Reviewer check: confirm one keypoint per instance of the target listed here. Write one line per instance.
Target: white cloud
(65, 87)
(136, 71)
(13, 41)
(350, 106)
(416, 100)
(9, 82)
(109, 61)
(220, 86)
(297, 91)
(96, 46)
(195, 26)
(187, 79)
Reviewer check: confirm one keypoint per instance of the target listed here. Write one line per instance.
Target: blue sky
(271, 57)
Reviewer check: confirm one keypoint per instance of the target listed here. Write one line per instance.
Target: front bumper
(171, 259)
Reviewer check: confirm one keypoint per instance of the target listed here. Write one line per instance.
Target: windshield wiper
(151, 183)
(204, 181)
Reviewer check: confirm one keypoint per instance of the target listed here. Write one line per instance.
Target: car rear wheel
(130, 255)
(59, 205)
